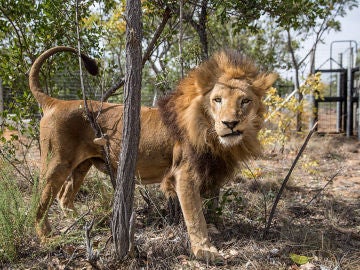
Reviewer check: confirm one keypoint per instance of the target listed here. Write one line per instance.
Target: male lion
(192, 143)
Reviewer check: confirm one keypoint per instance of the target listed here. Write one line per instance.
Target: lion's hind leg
(71, 186)
(168, 188)
(53, 176)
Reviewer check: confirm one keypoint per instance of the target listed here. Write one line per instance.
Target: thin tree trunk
(200, 28)
(125, 181)
(297, 80)
(181, 35)
(312, 97)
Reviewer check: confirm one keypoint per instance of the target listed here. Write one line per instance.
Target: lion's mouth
(234, 133)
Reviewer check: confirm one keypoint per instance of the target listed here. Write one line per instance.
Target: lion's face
(217, 107)
(233, 107)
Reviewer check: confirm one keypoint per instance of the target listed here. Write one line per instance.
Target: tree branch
(166, 16)
(90, 117)
(91, 257)
(277, 199)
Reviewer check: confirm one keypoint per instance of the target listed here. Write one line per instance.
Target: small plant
(16, 214)
(310, 166)
(19, 135)
(229, 196)
(251, 174)
(282, 111)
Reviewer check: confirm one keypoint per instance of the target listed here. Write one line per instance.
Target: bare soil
(318, 217)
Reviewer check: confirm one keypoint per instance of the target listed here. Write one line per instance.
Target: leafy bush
(281, 111)
(17, 214)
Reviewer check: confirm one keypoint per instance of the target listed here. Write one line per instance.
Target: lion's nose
(230, 124)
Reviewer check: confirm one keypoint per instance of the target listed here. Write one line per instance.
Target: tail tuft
(90, 65)
(34, 82)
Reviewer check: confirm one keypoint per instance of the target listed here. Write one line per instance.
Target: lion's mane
(185, 113)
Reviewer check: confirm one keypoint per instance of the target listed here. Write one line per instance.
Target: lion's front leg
(191, 205)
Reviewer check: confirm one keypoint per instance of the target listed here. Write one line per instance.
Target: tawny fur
(227, 88)
(193, 143)
(69, 146)
(186, 113)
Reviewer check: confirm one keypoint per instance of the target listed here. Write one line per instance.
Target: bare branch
(277, 199)
(91, 257)
(323, 188)
(76, 222)
(166, 16)
(159, 30)
(90, 117)
(14, 166)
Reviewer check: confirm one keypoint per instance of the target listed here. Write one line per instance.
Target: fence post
(338, 93)
(349, 119)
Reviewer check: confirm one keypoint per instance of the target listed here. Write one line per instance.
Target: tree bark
(125, 181)
(200, 28)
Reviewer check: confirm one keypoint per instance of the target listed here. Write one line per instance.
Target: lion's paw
(43, 230)
(208, 254)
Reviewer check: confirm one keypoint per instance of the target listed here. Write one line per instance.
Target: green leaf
(299, 259)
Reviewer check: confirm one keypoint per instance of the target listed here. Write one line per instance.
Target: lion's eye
(217, 100)
(245, 101)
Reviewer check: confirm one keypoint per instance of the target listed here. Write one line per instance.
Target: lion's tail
(34, 81)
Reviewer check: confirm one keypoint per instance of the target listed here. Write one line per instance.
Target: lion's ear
(263, 82)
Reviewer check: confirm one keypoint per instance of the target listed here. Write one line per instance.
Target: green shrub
(16, 213)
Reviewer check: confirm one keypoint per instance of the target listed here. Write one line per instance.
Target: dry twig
(91, 257)
(277, 199)
(76, 221)
(323, 188)
(90, 117)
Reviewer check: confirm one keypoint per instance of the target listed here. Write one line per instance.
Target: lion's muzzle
(233, 133)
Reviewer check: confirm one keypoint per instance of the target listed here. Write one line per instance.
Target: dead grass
(326, 231)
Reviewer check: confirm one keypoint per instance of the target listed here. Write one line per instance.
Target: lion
(191, 144)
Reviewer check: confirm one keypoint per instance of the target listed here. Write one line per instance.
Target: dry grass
(326, 231)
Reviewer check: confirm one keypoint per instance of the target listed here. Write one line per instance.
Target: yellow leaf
(299, 259)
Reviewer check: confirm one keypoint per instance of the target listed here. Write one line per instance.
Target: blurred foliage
(256, 27)
(282, 110)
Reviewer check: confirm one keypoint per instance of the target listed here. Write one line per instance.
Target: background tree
(309, 20)
(256, 27)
